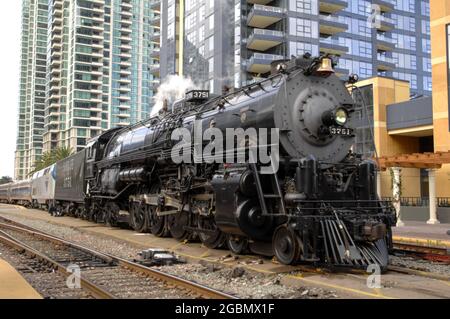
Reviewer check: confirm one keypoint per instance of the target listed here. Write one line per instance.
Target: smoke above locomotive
(172, 89)
(267, 168)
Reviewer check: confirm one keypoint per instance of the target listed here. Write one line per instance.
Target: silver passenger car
(5, 193)
(20, 193)
(43, 188)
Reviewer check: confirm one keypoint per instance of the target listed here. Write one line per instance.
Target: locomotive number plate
(341, 131)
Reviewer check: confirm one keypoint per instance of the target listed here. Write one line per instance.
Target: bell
(326, 67)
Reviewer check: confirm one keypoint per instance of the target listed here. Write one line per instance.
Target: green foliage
(5, 180)
(50, 158)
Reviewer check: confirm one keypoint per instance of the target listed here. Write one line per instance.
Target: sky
(10, 29)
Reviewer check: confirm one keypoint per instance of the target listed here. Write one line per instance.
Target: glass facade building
(370, 37)
(86, 66)
(99, 61)
(196, 42)
(32, 86)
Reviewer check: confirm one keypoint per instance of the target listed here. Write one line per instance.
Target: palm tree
(5, 180)
(61, 153)
(49, 158)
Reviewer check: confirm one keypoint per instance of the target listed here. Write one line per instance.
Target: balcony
(260, 63)
(124, 97)
(330, 25)
(155, 5)
(155, 53)
(263, 40)
(155, 69)
(263, 16)
(125, 80)
(125, 88)
(332, 46)
(384, 43)
(385, 63)
(156, 37)
(332, 6)
(385, 5)
(263, 2)
(384, 24)
(126, 5)
(155, 22)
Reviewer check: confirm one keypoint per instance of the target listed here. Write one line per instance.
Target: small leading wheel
(177, 226)
(138, 217)
(237, 245)
(212, 237)
(157, 224)
(286, 245)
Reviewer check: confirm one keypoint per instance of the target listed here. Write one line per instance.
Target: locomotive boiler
(315, 200)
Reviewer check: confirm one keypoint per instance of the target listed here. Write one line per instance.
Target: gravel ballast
(236, 281)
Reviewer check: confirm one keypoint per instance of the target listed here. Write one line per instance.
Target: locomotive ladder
(264, 197)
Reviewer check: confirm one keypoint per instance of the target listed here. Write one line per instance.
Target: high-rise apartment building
(87, 66)
(32, 86)
(99, 62)
(233, 42)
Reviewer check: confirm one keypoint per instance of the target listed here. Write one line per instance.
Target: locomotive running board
(340, 249)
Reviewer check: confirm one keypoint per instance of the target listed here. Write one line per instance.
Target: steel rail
(96, 291)
(196, 288)
(426, 274)
(413, 248)
(431, 253)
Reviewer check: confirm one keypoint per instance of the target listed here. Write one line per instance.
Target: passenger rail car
(5, 193)
(43, 188)
(20, 193)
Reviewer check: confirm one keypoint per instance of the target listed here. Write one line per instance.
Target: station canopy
(416, 160)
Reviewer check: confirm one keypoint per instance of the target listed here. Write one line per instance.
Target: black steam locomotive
(320, 205)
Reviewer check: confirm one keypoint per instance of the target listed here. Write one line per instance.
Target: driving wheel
(286, 245)
(177, 226)
(212, 237)
(138, 217)
(157, 224)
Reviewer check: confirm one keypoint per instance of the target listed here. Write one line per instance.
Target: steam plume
(173, 88)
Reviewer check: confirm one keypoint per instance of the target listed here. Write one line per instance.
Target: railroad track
(102, 275)
(42, 276)
(303, 269)
(432, 253)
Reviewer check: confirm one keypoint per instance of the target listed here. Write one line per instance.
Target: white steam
(172, 89)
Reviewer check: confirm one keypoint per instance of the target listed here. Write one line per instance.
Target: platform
(421, 233)
(13, 285)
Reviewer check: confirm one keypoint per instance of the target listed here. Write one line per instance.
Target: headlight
(341, 117)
